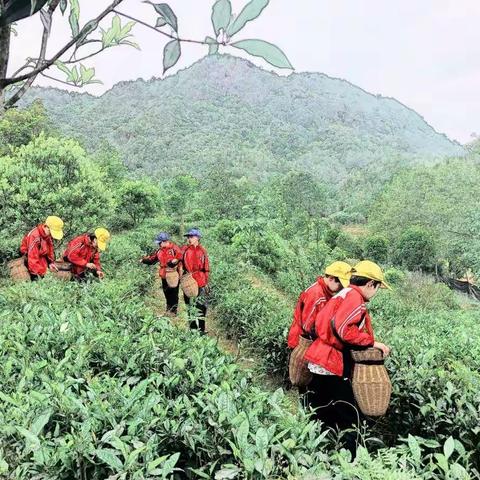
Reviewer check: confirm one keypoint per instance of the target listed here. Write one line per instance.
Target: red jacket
(195, 261)
(81, 251)
(309, 303)
(38, 247)
(352, 323)
(163, 255)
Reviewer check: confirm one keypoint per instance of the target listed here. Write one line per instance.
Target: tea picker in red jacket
(83, 252)
(168, 256)
(195, 261)
(37, 247)
(314, 298)
(343, 325)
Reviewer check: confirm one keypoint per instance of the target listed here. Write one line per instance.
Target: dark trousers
(201, 310)
(332, 398)
(171, 296)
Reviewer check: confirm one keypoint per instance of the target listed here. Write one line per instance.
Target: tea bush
(94, 385)
(434, 364)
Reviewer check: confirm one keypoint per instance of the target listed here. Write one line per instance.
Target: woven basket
(64, 270)
(189, 285)
(371, 384)
(298, 371)
(172, 277)
(18, 271)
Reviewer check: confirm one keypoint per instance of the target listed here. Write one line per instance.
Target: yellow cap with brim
(370, 270)
(103, 236)
(55, 224)
(341, 270)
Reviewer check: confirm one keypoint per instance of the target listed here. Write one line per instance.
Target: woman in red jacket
(342, 325)
(314, 298)
(168, 255)
(37, 247)
(83, 252)
(195, 261)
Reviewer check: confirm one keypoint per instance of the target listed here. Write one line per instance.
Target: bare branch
(43, 74)
(41, 58)
(76, 60)
(48, 63)
(24, 67)
(72, 56)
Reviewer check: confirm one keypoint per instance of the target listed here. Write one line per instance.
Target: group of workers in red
(82, 252)
(83, 255)
(191, 258)
(333, 314)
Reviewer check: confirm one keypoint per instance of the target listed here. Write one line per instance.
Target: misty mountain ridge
(225, 112)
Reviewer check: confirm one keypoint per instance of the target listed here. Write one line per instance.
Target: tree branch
(41, 58)
(85, 57)
(43, 74)
(72, 56)
(48, 63)
(4, 55)
(27, 65)
(201, 42)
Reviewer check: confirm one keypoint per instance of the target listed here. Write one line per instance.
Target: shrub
(415, 249)
(375, 248)
(51, 176)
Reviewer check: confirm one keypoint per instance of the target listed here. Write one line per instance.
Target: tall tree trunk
(4, 55)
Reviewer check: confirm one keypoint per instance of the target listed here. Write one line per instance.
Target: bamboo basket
(189, 285)
(18, 270)
(298, 371)
(172, 277)
(64, 270)
(371, 384)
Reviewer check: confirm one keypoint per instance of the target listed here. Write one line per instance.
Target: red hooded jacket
(348, 312)
(81, 251)
(164, 255)
(195, 261)
(38, 247)
(313, 299)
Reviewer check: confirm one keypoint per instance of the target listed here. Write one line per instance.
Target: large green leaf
(40, 422)
(221, 13)
(166, 12)
(63, 6)
(269, 52)
(15, 10)
(171, 54)
(212, 45)
(74, 17)
(87, 30)
(251, 11)
(449, 447)
(109, 456)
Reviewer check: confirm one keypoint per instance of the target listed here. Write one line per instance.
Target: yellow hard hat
(103, 236)
(55, 224)
(341, 270)
(371, 270)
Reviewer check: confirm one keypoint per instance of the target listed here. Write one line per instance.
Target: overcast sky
(424, 53)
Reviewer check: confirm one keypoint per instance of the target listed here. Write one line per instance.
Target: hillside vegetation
(224, 111)
(94, 384)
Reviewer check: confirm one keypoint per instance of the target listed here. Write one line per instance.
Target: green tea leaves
(269, 52)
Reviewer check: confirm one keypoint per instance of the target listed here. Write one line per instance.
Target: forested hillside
(224, 110)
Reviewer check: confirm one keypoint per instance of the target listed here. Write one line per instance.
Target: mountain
(225, 111)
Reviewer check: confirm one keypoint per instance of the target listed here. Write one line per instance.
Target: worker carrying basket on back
(310, 302)
(343, 329)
